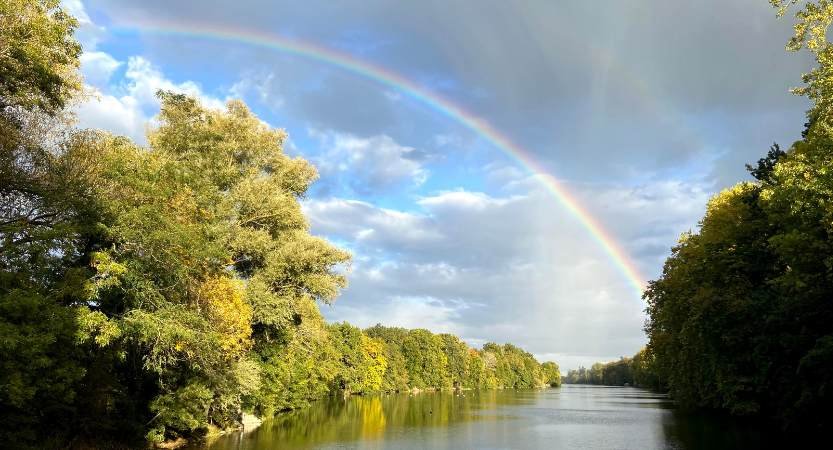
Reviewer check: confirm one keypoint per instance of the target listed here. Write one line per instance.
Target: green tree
(456, 352)
(425, 360)
(396, 377)
(643, 367)
(362, 360)
(741, 319)
(47, 206)
(551, 374)
(38, 56)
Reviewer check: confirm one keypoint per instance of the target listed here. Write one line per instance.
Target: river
(568, 417)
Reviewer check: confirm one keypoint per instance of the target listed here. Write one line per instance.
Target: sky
(641, 110)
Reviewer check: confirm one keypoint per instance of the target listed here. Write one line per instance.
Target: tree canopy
(741, 317)
(156, 292)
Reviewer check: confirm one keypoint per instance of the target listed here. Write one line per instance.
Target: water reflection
(570, 417)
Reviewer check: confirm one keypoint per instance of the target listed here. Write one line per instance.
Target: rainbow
(442, 105)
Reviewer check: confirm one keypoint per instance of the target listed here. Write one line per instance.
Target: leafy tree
(375, 364)
(456, 352)
(38, 55)
(46, 207)
(396, 378)
(476, 374)
(362, 360)
(295, 371)
(763, 171)
(741, 319)
(551, 374)
(425, 360)
(643, 367)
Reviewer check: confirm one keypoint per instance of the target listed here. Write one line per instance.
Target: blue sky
(642, 109)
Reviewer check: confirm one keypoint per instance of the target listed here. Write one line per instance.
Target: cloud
(408, 312)
(98, 67)
(372, 227)
(666, 91)
(119, 115)
(368, 165)
(127, 107)
(143, 80)
(88, 33)
(263, 86)
(514, 267)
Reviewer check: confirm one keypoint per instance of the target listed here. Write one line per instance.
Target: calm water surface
(567, 417)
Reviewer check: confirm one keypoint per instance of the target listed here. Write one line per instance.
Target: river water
(569, 417)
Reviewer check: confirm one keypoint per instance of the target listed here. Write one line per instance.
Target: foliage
(456, 353)
(638, 371)
(644, 370)
(376, 364)
(551, 374)
(423, 360)
(362, 361)
(298, 368)
(741, 319)
(37, 373)
(395, 378)
(150, 293)
(38, 55)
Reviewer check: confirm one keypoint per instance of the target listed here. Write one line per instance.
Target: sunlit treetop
(38, 55)
(813, 18)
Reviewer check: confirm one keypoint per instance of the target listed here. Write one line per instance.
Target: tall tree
(741, 318)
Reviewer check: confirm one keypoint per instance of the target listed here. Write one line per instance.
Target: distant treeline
(741, 319)
(158, 292)
(639, 371)
(384, 360)
(420, 359)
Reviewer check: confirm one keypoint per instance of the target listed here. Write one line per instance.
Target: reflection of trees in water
(373, 417)
(696, 431)
(368, 417)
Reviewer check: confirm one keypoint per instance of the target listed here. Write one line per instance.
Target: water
(568, 417)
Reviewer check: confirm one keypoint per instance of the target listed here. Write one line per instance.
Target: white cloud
(119, 115)
(369, 225)
(87, 33)
(369, 164)
(461, 199)
(263, 85)
(98, 67)
(128, 106)
(408, 312)
(143, 80)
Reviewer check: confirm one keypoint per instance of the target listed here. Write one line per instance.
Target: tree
(362, 360)
(741, 319)
(425, 360)
(551, 374)
(38, 56)
(396, 377)
(46, 207)
(643, 367)
(456, 352)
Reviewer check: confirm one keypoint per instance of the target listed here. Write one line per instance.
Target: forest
(158, 292)
(153, 293)
(741, 319)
